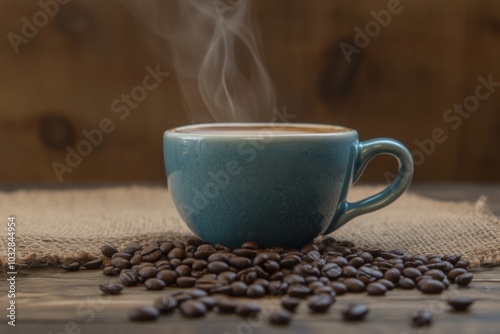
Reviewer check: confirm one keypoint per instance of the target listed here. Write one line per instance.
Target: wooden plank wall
(426, 59)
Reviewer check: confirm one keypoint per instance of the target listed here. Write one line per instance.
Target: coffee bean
(93, 264)
(144, 313)
(277, 288)
(227, 276)
(146, 264)
(168, 276)
(185, 281)
(332, 271)
(392, 275)
(238, 289)
(247, 309)
(204, 251)
(181, 296)
(194, 241)
(121, 263)
(310, 279)
(290, 304)
(175, 262)
(444, 266)
(341, 261)
(151, 253)
(421, 318)
(423, 268)
(277, 276)
(208, 301)
(248, 276)
(108, 250)
(312, 256)
(154, 284)
(111, 288)
(193, 308)
(376, 289)
(183, 270)
(399, 266)
(436, 274)
(249, 253)
(339, 288)
(111, 271)
(388, 284)
(299, 291)
(413, 264)
(73, 266)
(368, 275)
(460, 303)
(289, 261)
(176, 253)
(462, 264)
(349, 271)
(271, 266)
(388, 255)
(324, 289)
(262, 282)
(412, 273)
(452, 258)
(306, 270)
(255, 291)
(355, 312)
(222, 290)
(423, 277)
(454, 273)
(217, 267)
(131, 249)
(240, 262)
(406, 283)
(165, 304)
(199, 265)
(315, 285)
(294, 279)
(179, 244)
(280, 317)
(354, 285)
(320, 303)
(226, 305)
(128, 277)
(218, 257)
(260, 258)
(166, 247)
(464, 279)
(431, 286)
(136, 260)
(147, 272)
(356, 262)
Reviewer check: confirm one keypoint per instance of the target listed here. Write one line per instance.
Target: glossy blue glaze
(275, 189)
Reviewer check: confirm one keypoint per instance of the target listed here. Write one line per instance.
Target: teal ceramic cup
(275, 184)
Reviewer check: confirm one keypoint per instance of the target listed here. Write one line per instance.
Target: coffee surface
(262, 130)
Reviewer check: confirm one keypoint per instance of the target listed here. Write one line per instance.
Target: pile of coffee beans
(213, 275)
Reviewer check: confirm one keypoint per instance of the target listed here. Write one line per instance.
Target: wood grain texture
(49, 299)
(426, 59)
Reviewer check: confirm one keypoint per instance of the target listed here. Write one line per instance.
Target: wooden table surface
(51, 300)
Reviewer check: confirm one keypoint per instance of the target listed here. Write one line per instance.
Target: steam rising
(217, 56)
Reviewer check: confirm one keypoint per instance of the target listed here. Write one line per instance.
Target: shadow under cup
(277, 185)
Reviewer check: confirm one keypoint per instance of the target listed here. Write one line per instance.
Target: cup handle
(366, 151)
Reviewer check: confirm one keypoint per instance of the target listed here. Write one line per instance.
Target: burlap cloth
(62, 225)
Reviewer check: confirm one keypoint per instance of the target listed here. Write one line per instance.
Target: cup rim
(329, 129)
